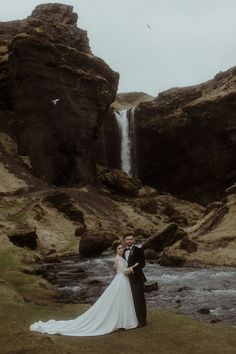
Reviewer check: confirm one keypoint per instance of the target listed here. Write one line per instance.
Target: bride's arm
(130, 269)
(135, 265)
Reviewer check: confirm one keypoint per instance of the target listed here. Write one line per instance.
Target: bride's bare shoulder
(117, 260)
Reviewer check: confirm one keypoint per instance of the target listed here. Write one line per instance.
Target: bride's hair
(115, 245)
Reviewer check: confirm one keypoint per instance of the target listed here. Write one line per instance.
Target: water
(123, 124)
(128, 143)
(133, 146)
(207, 293)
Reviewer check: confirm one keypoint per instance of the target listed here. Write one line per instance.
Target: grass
(3, 296)
(166, 333)
(29, 287)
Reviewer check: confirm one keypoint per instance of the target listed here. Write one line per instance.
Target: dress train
(113, 310)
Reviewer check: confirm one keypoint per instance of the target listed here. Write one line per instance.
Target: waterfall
(125, 121)
(133, 145)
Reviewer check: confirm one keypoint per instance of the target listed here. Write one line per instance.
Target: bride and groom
(122, 304)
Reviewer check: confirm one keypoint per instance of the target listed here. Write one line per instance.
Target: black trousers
(139, 301)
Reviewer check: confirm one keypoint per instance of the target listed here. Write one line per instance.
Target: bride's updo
(115, 245)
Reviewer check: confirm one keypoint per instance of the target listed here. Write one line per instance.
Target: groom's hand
(128, 271)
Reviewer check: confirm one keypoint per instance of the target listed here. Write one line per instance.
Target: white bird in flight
(55, 101)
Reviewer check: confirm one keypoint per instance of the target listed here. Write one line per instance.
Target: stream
(205, 293)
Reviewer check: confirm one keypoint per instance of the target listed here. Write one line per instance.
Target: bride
(113, 310)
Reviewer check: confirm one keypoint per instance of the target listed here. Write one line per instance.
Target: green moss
(26, 285)
(8, 260)
(3, 296)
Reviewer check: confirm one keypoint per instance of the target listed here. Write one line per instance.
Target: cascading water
(133, 145)
(123, 124)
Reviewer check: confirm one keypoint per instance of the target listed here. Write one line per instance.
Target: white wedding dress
(113, 310)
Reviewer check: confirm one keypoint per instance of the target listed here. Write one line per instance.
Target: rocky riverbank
(205, 293)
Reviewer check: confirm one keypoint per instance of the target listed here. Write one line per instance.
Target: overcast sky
(153, 44)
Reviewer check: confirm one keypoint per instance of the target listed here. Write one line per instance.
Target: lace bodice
(121, 265)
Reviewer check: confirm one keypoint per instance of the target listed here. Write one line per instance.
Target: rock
(150, 254)
(231, 190)
(150, 206)
(204, 310)
(146, 191)
(166, 237)
(63, 202)
(148, 287)
(172, 260)
(95, 282)
(80, 231)
(23, 236)
(92, 244)
(169, 210)
(189, 245)
(140, 233)
(212, 206)
(184, 288)
(128, 100)
(211, 240)
(213, 220)
(119, 181)
(56, 93)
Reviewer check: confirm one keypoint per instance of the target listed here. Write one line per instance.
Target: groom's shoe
(142, 324)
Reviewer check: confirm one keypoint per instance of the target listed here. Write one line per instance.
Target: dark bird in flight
(148, 26)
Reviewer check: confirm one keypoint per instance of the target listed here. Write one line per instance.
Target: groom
(133, 254)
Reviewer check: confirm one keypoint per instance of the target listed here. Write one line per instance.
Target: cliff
(186, 139)
(53, 93)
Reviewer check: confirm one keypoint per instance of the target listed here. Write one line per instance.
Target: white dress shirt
(127, 252)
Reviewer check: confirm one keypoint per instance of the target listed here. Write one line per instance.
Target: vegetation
(166, 333)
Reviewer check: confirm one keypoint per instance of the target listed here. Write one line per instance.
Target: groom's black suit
(137, 280)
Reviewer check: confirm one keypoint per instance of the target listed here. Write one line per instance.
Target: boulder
(119, 181)
(150, 254)
(148, 287)
(172, 260)
(149, 205)
(23, 236)
(93, 244)
(166, 237)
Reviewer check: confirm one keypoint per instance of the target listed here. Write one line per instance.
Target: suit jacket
(136, 256)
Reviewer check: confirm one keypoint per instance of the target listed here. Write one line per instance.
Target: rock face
(53, 93)
(186, 139)
(212, 240)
